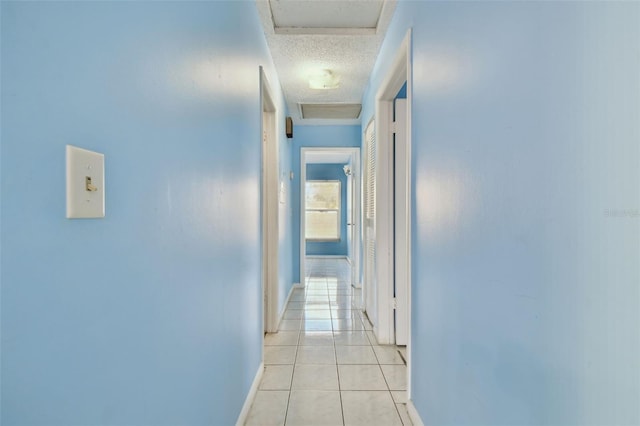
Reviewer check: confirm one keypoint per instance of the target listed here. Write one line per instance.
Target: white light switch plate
(85, 197)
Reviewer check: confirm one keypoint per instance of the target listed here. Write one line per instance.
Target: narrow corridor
(324, 366)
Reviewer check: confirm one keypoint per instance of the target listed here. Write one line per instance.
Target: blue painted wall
(314, 136)
(525, 208)
(331, 172)
(153, 314)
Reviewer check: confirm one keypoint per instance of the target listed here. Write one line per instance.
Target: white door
(401, 235)
(354, 219)
(369, 224)
(265, 228)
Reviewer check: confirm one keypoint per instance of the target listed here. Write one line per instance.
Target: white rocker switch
(85, 183)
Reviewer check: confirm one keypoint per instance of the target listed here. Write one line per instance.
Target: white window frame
(338, 210)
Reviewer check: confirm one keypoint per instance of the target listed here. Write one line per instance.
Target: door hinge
(394, 127)
(394, 303)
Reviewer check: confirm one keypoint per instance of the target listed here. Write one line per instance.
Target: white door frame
(269, 201)
(354, 153)
(402, 234)
(398, 74)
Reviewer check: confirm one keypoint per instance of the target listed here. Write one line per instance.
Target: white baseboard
(286, 302)
(242, 418)
(413, 414)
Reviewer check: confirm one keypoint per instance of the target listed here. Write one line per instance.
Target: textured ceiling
(312, 35)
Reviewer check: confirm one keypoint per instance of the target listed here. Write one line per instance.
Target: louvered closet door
(369, 221)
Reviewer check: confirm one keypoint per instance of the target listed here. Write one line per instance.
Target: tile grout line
(387, 383)
(389, 388)
(293, 367)
(398, 411)
(293, 371)
(335, 353)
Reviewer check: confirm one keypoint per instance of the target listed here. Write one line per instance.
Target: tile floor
(324, 366)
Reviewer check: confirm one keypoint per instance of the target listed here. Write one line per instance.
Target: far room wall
(330, 248)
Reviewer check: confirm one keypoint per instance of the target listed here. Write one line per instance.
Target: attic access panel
(331, 111)
(297, 14)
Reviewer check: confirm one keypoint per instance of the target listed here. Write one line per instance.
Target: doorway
(393, 205)
(269, 202)
(348, 162)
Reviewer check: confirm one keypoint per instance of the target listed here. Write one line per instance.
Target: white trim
(303, 240)
(399, 73)
(327, 256)
(244, 413)
(270, 205)
(409, 53)
(286, 302)
(413, 414)
(354, 152)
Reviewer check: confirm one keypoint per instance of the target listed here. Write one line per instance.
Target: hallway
(324, 366)
(521, 189)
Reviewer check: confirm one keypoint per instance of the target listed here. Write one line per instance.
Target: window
(322, 210)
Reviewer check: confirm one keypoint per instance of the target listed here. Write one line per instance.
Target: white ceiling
(308, 36)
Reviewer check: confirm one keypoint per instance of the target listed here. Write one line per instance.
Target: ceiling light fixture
(323, 80)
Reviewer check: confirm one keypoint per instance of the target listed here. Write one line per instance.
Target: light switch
(85, 183)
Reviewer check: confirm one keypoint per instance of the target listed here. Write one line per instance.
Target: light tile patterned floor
(324, 366)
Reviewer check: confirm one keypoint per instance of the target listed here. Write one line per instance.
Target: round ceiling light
(323, 80)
